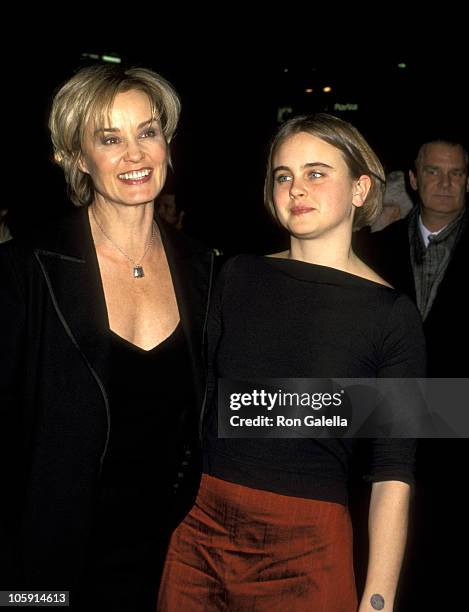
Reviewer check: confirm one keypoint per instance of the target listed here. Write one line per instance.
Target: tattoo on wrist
(377, 601)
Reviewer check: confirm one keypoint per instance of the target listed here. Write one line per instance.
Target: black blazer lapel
(70, 268)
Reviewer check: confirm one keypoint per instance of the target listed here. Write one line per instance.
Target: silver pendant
(138, 272)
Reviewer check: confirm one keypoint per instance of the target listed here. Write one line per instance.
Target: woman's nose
(134, 151)
(297, 189)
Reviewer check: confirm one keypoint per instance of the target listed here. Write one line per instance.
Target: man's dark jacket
(446, 326)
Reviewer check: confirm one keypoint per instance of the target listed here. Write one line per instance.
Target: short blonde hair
(357, 153)
(85, 101)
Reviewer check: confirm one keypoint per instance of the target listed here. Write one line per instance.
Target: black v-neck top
(146, 398)
(147, 407)
(280, 318)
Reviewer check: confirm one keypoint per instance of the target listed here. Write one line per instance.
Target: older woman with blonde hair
(270, 529)
(102, 382)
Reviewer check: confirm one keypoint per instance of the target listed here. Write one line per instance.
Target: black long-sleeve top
(279, 318)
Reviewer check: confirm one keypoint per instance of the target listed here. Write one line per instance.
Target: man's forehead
(441, 153)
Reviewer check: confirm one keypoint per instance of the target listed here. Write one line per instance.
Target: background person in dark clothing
(168, 210)
(426, 255)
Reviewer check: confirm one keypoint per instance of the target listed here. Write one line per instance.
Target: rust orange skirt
(246, 550)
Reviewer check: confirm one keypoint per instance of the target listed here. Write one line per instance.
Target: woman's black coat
(54, 412)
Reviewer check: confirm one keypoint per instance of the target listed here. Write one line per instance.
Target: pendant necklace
(137, 270)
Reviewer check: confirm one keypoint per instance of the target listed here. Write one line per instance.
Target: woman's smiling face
(127, 159)
(313, 190)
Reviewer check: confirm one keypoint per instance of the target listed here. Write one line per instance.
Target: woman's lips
(301, 210)
(137, 177)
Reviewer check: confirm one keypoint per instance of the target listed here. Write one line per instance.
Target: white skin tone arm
(387, 527)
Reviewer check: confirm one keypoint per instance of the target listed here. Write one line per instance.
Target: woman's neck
(324, 252)
(129, 227)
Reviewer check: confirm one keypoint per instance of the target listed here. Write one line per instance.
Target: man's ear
(360, 190)
(413, 180)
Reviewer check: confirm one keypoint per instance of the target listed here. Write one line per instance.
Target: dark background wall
(232, 103)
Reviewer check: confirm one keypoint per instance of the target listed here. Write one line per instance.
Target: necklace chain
(138, 270)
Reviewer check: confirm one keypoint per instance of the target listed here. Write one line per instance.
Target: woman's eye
(109, 140)
(283, 178)
(150, 133)
(316, 175)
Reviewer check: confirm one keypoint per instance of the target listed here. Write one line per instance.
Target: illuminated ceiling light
(94, 56)
(309, 90)
(327, 89)
(285, 70)
(402, 65)
(113, 59)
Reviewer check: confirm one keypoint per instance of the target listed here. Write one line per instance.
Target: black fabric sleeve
(403, 350)
(403, 356)
(392, 459)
